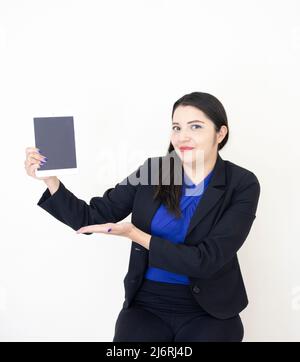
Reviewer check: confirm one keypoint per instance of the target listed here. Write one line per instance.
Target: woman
(184, 281)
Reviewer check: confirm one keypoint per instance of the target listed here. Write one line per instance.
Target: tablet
(55, 138)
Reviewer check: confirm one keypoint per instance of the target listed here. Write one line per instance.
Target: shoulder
(242, 180)
(239, 172)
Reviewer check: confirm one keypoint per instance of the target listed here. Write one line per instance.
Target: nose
(183, 138)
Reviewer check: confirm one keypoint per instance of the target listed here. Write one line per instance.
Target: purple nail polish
(109, 230)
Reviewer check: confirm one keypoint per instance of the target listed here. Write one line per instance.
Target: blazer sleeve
(115, 204)
(219, 246)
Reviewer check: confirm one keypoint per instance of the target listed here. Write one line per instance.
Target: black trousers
(168, 312)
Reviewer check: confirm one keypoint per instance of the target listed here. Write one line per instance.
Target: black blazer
(208, 256)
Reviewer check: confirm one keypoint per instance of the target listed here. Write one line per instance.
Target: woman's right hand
(33, 161)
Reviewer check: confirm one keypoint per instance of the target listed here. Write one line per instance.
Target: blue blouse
(167, 226)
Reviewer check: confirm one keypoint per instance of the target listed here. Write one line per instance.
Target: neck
(198, 175)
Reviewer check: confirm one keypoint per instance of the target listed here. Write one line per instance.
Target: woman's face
(192, 128)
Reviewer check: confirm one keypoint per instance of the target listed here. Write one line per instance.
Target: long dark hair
(170, 194)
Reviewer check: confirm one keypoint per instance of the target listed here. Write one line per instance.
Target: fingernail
(109, 230)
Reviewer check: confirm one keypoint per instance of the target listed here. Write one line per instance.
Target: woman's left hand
(121, 229)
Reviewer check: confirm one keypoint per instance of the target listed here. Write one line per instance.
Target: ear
(221, 134)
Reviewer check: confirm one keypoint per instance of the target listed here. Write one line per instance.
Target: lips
(185, 148)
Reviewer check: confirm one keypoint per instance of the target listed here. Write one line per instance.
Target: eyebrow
(196, 120)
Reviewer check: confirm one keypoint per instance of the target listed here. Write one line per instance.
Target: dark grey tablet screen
(55, 138)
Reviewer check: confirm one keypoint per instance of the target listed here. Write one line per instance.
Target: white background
(118, 67)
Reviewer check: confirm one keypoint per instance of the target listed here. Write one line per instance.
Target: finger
(94, 229)
(33, 152)
(31, 170)
(31, 149)
(87, 230)
(90, 229)
(28, 163)
(34, 159)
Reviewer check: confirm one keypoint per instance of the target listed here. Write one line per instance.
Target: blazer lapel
(210, 197)
(151, 206)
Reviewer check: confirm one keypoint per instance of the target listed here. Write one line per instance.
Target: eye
(193, 125)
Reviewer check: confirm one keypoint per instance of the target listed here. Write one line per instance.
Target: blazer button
(196, 289)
